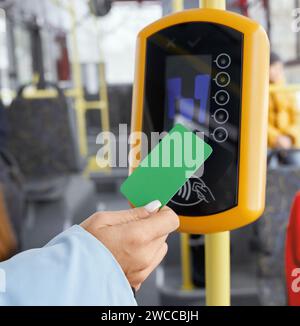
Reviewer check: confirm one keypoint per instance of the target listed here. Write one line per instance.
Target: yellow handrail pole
(103, 104)
(103, 84)
(79, 94)
(187, 284)
(217, 4)
(105, 109)
(217, 269)
(35, 94)
(177, 5)
(186, 273)
(104, 97)
(217, 245)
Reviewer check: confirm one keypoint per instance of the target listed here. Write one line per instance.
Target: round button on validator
(222, 97)
(223, 61)
(221, 116)
(220, 135)
(222, 79)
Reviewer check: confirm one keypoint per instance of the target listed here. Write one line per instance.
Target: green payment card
(167, 168)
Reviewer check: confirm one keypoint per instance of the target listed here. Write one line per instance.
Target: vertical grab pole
(76, 71)
(217, 269)
(214, 4)
(187, 284)
(217, 245)
(177, 5)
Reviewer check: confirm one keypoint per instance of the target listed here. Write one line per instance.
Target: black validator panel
(193, 77)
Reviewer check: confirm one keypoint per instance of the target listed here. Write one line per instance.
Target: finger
(135, 214)
(157, 225)
(158, 258)
(142, 275)
(145, 254)
(126, 216)
(137, 287)
(104, 219)
(154, 246)
(153, 207)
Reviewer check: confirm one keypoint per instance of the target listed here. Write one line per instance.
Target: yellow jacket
(284, 118)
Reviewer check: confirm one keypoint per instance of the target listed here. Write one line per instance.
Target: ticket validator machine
(208, 69)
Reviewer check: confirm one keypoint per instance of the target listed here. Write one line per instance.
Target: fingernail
(153, 206)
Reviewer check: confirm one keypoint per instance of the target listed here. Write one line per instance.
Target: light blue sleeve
(73, 269)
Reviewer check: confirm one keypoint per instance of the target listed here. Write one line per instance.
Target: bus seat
(43, 136)
(47, 217)
(44, 141)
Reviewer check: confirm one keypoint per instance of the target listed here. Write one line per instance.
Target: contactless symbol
(203, 192)
(222, 79)
(223, 61)
(221, 97)
(221, 116)
(220, 135)
(185, 191)
(194, 192)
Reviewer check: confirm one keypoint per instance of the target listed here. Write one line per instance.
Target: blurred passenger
(284, 118)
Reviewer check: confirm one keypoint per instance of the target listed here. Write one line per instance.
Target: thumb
(103, 219)
(140, 212)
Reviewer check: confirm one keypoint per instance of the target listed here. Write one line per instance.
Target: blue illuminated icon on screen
(188, 106)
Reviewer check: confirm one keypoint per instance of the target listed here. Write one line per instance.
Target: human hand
(136, 237)
(284, 142)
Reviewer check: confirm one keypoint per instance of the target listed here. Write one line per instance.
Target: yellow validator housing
(209, 70)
